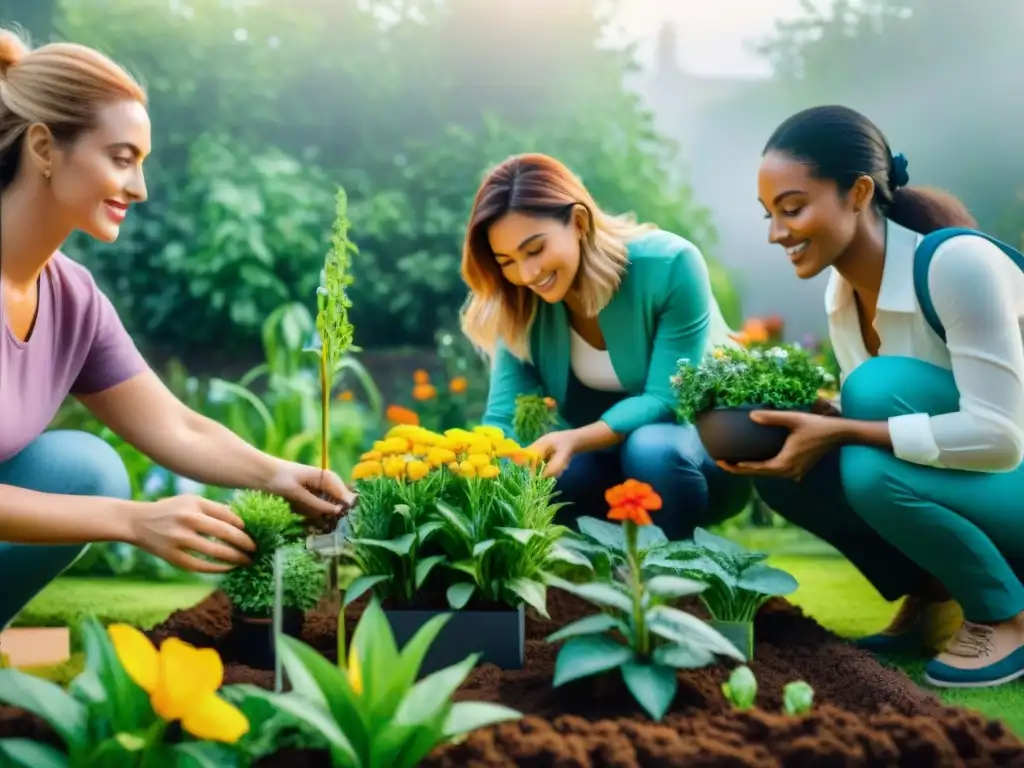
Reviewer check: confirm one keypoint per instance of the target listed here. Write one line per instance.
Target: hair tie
(898, 176)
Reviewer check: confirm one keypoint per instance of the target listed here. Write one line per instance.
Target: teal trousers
(900, 522)
(62, 462)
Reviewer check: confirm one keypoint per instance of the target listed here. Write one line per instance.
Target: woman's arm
(32, 517)
(972, 284)
(510, 377)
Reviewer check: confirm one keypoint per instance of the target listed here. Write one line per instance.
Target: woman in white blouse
(919, 481)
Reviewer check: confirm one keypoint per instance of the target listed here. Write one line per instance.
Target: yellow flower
(479, 459)
(466, 469)
(402, 430)
(392, 445)
(489, 472)
(419, 449)
(491, 433)
(507, 448)
(371, 456)
(479, 444)
(182, 683)
(417, 470)
(367, 469)
(355, 671)
(454, 467)
(394, 467)
(438, 456)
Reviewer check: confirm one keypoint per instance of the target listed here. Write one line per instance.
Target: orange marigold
(346, 396)
(424, 392)
(550, 403)
(756, 330)
(458, 385)
(420, 376)
(399, 415)
(632, 501)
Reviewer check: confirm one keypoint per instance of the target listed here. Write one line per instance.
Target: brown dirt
(864, 715)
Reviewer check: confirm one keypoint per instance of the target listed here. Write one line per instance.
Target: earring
(46, 174)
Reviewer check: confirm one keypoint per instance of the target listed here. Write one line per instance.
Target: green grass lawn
(832, 591)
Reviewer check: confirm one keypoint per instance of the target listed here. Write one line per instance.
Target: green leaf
(400, 545)
(604, 533)
(466, 716)
(415, 651)
(428, 529)
(468, 567)
(797, 697)
(589, 655)
(522, 535)
(24, 753)
(49, 701)
(674, 586)
(597, 592)
(765, 580)
(684, 656)
(425, 566)
(205, 754)
(360, 586)
(459, 594)
(589, 625)
(565, 555)
(426, 700)
(707, 540)
(685, 629)
(482, 547)
(741, 688)
(532, 592)
(375, 645)
(318, 720)
(104, 685)
(455, 518)
(652, 685)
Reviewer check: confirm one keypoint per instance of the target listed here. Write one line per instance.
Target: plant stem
(325, 397)
(642, 639)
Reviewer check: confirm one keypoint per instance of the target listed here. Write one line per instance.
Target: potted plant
(719, 393)
(534, 417)
(271, 524)
(457, 521)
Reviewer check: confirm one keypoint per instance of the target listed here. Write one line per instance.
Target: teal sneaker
(919, 628)
(973, 643)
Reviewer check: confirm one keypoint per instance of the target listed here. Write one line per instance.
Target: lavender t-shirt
(78, 346)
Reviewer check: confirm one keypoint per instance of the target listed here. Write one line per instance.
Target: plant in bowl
(718, 394)
(461, 520)
(656, 638)
(371, 710)
(272, 525)
(738, 581)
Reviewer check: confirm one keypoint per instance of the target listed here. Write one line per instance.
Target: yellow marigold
(394, 467)
(479, 444)
(392, 445)
(491, 433)
(466, 469)
(423, 392)
(489, 472)
(479, 459)
(371, 456)
(439, 456)
(458, 385)
(417, 470)
(454, 467)
(420, 376)
(419, 449)
(367, 469)
(507, 448)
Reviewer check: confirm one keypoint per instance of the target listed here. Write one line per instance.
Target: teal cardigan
(660, 313)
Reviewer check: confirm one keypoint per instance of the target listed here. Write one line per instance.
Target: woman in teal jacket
(594, 311)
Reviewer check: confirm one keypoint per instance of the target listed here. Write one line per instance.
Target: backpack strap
(923, 260)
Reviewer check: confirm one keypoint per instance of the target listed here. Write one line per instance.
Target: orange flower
(458, 385)
(550, 403)
(346, 396)
(755, 330)
(399, 415)
(774, 325)
(632, 501)
(424, 392)
(420, 376)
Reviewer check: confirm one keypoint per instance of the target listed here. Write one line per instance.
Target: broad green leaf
(652, 685)
(701, 568)
(532, 592)
(428, 529)
(589, 625)
(361, 585)
(432, 694)
(707, 540)
(468, 567)
(105, 685)
(674, 586)
(49, 701)
(467, 716)
(320, 721)
(604, 533)
(566, 555)
(400, 545)
(589, 655)
(522, 535)
(24, 753)
(604, 594)
(482, 546)
(459, 594)
(765, 580)
(650, 536)
(375, 645)
(415, 651)
(205, 754)
(425, 566)
(684, 656)
(455, 518)
(686, 629)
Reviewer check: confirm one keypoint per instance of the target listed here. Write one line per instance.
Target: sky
(712, 34)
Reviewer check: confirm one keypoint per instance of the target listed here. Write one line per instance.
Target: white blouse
(978, 294)
(592, 366)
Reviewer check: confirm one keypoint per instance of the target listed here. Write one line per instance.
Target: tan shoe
(979, 655)
(920, 626)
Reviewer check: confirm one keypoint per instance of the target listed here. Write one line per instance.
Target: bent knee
(86, 465)
(883, 387)
(867, 479)
(654, 449)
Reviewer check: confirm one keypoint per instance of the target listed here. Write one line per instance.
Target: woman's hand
(175, 527)
(811, 437)
(306, 488)
(557, 450)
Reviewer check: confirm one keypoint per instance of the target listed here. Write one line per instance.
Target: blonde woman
(74, 132)
(594, 311)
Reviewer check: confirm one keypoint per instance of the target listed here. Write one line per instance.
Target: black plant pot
(730, 435)
(252, 637)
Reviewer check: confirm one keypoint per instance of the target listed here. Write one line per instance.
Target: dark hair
(840, 144)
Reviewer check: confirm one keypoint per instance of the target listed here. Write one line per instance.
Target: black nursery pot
(252, 637)
(730, 435)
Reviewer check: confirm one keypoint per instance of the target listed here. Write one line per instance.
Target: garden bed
(864, 713)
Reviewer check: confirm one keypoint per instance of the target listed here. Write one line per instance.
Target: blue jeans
(903, 524)
(59, 462)
(671, 458)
